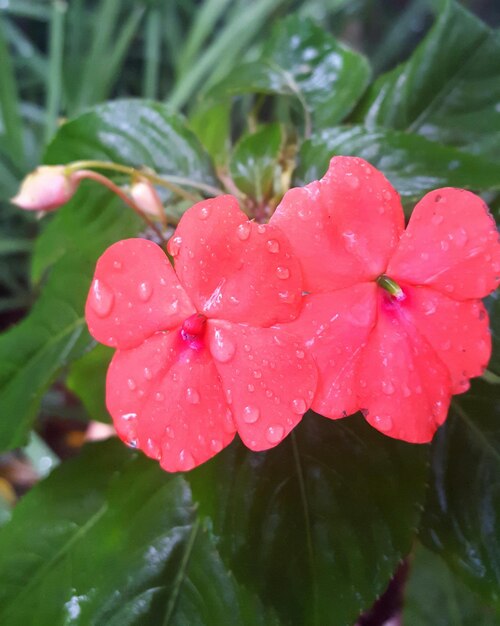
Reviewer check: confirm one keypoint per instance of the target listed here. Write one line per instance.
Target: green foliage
(302, 509)
(311, 532)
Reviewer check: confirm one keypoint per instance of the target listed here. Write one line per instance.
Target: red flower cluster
(233, 337)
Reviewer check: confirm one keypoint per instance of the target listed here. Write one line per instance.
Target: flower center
(391, 286)
(193, 327)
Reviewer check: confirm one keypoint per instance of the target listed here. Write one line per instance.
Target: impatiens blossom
(393, 316)
(46, 189)
(198, 357)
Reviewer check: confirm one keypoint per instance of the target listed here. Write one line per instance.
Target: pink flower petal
(403, 387)
(268, 376)
(167, 399)
(343, 227)
(458, 332)
(235, 269)
(134, 293)
(451, 244)
(335, 327)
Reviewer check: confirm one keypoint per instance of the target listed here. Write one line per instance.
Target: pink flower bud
(45, 189)
(146, 198)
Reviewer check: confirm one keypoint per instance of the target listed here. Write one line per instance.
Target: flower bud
(45, 189)
(146, 198)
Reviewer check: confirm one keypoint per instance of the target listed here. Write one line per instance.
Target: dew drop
(153, 449)
(251, 414)
(174, 245)
(101, 298)
(186, 460)
(148, 374)
(300, 354)
(117, 265)
(145, 291)
(299, 406)
(388, 387)
(204, 213)
(216, 445)
(257, 374)
(192, 396)
(159, 397)
(275, 434)
(304, 213)
(131, 384)
(449, 288)
(222, 347)
(387, 194)
(251, 387)
(129, 416)
(383, 422)
(352, 181)
(282, 272)
(436, 219)
(243, 231)
(170, 432)
(132, 443)
(273, 246)
(406, 391)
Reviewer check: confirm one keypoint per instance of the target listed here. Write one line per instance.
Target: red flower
(198, 355)
(393, 318)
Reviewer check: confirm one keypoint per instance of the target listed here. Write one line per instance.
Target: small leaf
(413, 164)
(449, 89)
(304, 61)
(435, 597)
(109, 538)
(317, 525)
(461, 521)
(87, 379)
(255, 162)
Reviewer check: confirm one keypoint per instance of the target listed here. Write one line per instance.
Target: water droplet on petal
(273, 246)
(275, 434)
(352, 181)
(387, 194)
(222, 346)
(101, 298)
(131, 384)
(132, 443)
(204, 212)
(192, 396)
(251, 414)
(153, 449)
(186, 460)
(299, 406)
(436, 219)
(257, 374)
(159, 397)
(406, 391)
(243, 231)
(174, 245)
(300, 354)
(388, 387)
(216, 445)
(148, 374)
(145, 291)
(117, 265)
(282, 272)
(383, 422)
(129, 416)
(170, 432)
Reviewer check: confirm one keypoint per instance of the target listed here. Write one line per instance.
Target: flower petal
(344, 227)
(167, 399)
(235, 269)
(452, 244)
(335, 327)
(268, 376)
(134, 293)
(403, 386)
(458, 332)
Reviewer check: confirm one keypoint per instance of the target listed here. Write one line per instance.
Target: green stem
(89, 174)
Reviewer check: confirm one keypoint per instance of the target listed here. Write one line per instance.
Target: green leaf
(133, 132)
(462, 516)
(493, 306)
(109, 538)
(302, 60)
(449, 89)
(317, 525)
(32, 353)
(254, 163)
(413, 164)
(435, 597)
(87, 379)
(212, 125)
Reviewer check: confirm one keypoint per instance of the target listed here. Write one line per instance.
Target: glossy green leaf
(462, 516)
(449, 89)
(318, 525)
(413, 164)
(139, 133)
(493, 306)
(211, 125)
(435, 597)
(87, 379)
(254, 163)
(303, 61)
(109, 538)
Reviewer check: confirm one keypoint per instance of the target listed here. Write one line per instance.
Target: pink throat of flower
(391, 287)
(193, 328)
